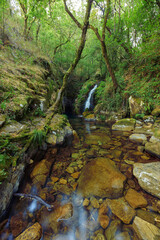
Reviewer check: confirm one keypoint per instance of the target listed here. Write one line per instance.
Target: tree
(100, 38)
(84, 28)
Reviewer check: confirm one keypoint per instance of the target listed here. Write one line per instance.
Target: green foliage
(38, 137)
(139, 116)
(39, 112)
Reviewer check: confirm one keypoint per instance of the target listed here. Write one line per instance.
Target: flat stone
(2, 119)
(145, 230)
(114, 227)
(153, 148)
(135, 199)
(14, 127)
(121, 209)
(32, 233)
(101, 178)
(140, 138)
(148, 177)
(127, 124)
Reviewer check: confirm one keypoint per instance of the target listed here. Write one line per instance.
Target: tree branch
(71, 15)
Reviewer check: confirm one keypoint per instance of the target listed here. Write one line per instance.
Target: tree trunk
(109, 67)
(54, 108)
(25, 27)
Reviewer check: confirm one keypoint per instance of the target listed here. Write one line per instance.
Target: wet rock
(121, 209)
(63, 181)
(140, 138)
(2, 119)
(101, 178)
(54, 179)
(135, 199)
(70, 170)
(75, 175)
(18, 224)
(102, 216)
(127, 124)
(97, 139)
(94, 202)
(153, 148)
(14, 127)
(32, 233)
(122, 235)
(113, 229)
(146, 215)
(148, 119)
(148, 177)
(145, 230)
(40, 172)
(86, 202)
(136, 106)
(99, 236)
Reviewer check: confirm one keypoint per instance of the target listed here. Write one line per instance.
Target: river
(55, 180)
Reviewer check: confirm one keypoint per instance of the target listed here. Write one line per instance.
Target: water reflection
(87, 125)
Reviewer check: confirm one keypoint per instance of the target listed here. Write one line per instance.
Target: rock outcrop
(148, 177)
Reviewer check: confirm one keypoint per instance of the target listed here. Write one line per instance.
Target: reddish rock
(135, 199)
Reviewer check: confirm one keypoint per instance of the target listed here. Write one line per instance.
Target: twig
(40, 200)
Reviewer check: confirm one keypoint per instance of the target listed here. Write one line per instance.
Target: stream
(55, 180)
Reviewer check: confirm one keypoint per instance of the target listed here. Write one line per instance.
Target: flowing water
(88, 101)
(73, 217)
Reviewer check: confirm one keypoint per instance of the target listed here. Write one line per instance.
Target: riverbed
(56, 179)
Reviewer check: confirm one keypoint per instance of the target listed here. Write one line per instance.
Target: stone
(101, 178)
(63, 181)
(122, 236)
(86, 202)
(153, 148)
(75, 175)
(97, 139)
(140, 138)
(102, 216)
(148, 177)
(136, 106)
(127, 124)
(135, 199)
(54, 179)
(94, 202)
(121, 209)
(156, 111)
(32, 233)
(114, 227)
(145, 230)
(40, 172)
(99, 236)
(70, 170)
(2, 119)
(14, 127)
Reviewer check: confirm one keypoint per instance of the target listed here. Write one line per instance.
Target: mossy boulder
(156, 112)
(2, 119)
(127, 124)
(136, 106)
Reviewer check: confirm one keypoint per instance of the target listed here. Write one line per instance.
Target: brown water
(69, 219)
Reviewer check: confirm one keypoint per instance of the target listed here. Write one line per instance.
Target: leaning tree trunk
(54, 108)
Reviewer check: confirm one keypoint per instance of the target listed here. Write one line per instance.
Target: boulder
(101, 178)
(148, 177)
(121, 209)
(32, 233)
(156, 111)
(153, 148)
(127, 124)
(14, 127)
(135, 199)
(140, 138)
(2, 119)
(145, 230)
(136, 106)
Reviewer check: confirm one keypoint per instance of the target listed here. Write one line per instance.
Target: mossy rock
(2, 119)
(156, 112)
(127, 124)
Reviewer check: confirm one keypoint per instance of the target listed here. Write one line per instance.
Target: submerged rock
(32, 233)
(127, 124)
(145, 230)
(113, 229)
(148, 177)
(121, 209)
(135, 199)
(101, 178)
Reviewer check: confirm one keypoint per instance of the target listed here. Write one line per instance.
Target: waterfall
(88, 101)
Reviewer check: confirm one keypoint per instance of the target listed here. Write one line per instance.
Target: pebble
(63, 181)
(86, 202)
